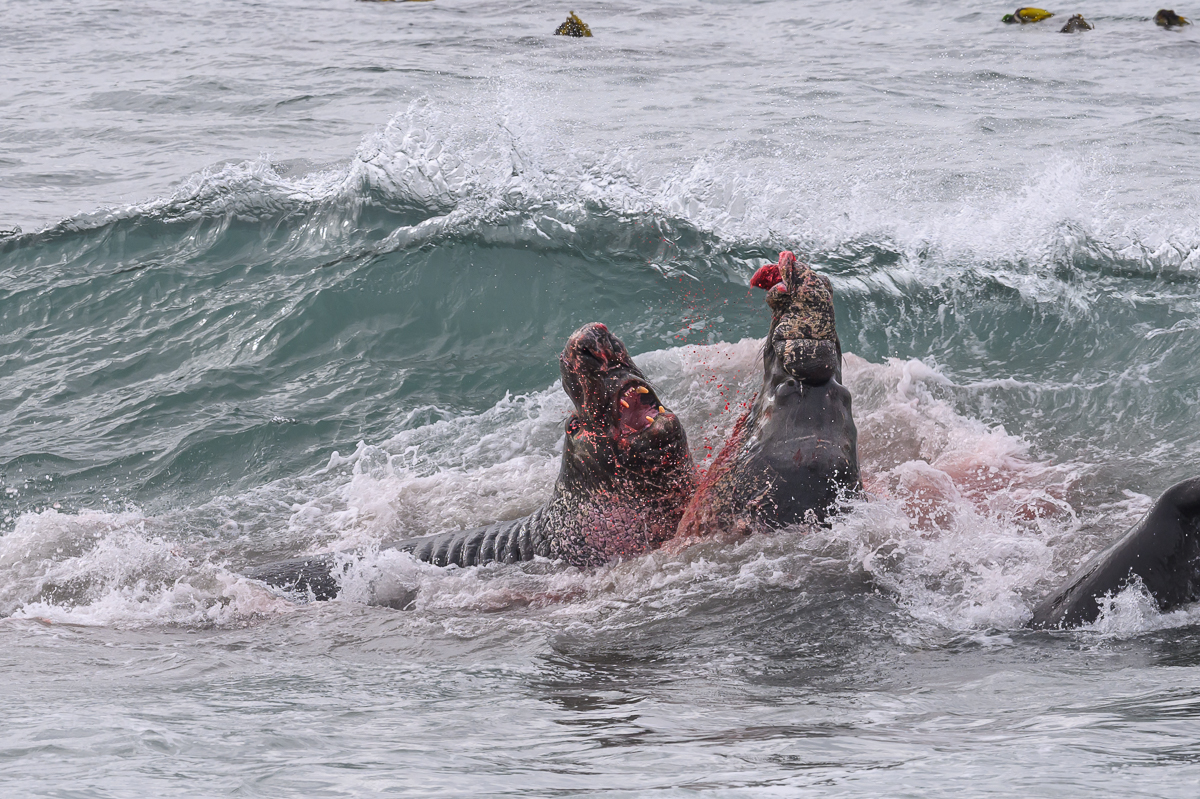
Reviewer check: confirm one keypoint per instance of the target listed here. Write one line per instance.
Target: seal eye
(573, 426)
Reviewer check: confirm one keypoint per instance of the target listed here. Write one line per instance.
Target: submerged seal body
(794, 454)
(625, 478)
(1162, 551)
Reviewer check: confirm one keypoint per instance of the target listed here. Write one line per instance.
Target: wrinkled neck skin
(626, 470)
(794, 455)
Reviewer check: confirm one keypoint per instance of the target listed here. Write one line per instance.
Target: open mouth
(638, 409)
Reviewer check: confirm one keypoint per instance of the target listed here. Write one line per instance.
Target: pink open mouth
(639, 409)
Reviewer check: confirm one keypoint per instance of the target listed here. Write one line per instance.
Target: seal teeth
(624, 404)
(643, 390)
(650, 419)
(661, 409)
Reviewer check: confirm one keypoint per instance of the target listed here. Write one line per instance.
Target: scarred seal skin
(625, 478)
(794, 455)
(1162, 551)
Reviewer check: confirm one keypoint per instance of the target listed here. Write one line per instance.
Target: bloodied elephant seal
(625, 478)
(794, 455)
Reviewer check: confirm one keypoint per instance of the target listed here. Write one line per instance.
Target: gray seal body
(1162, 550)
(794, 454)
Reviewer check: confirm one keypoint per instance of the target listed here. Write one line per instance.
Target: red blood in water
(767, 277)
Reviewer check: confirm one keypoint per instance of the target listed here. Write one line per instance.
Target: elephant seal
(625, 478)
(1162, 550)
(1024, 16)
(794, 454)
(1076, 24)
(1166, 18)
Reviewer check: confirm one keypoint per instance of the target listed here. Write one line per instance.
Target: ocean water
(292, 278)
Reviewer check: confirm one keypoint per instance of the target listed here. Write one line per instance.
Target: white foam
(965, 526)
(505, 174)
(1133, 611)
(95, 568)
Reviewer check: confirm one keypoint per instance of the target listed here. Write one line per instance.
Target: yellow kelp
(1166, 18)
(1024, 15)
(1076, 24)
(574, 26)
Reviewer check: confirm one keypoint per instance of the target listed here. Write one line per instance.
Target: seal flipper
(508, 542)
(1163, 550)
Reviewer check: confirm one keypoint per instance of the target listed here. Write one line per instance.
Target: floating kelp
(1026, 15)
(574, 26)
(1076, 24)
(1166, 18)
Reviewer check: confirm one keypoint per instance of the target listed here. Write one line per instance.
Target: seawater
(292, 278)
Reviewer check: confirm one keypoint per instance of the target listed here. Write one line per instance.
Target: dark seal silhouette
(794, 455)
(1162, 551)
(625, 478)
